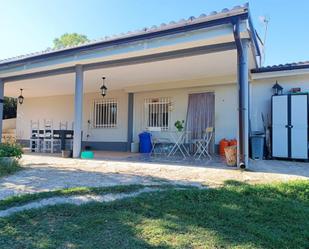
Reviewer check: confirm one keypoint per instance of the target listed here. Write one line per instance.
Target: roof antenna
(264, 21)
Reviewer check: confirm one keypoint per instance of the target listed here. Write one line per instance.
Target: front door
(201, 114)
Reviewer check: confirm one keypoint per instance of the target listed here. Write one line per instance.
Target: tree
(9, 107)
(69, 40)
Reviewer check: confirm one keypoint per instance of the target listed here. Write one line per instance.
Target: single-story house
(152, 76)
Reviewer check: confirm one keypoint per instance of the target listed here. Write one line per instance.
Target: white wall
(118, 134)
(61, 108)
(9, 123)
(225, 108)
(261, 92)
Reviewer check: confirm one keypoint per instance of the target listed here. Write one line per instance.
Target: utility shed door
(299, 126)
(279, 129)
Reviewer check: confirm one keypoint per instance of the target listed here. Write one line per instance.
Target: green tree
(9, 107)
(69, 40)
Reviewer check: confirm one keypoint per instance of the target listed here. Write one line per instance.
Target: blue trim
(254, 35)
(129, 61)
(107, 146)
(136, 38)
(130, 120)
(25, 143)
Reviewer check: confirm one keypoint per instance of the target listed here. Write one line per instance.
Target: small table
(178, 138)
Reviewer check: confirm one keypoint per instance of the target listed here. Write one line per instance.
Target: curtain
(200, 115)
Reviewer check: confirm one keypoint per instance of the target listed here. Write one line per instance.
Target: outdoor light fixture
(21, 97)
(103, 88)
(277, 89)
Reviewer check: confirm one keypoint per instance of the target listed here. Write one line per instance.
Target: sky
(31, 25)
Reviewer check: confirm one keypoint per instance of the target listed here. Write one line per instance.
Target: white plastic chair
(48, 137)
(63, 125)
(35, 142)
(202, 145)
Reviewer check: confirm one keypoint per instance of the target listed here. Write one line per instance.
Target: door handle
(289, 126)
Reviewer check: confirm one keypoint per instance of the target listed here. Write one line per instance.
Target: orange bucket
(223, 143)
(233, 142)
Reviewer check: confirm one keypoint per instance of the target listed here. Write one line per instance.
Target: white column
(78, 111)
(1, 106)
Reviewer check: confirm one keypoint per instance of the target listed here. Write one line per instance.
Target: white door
(299, 122)
(279, 129)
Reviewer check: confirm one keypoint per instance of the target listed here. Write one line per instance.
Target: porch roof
(212, 29)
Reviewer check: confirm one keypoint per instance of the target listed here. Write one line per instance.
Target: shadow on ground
(237, 215)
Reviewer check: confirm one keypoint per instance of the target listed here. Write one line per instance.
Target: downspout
(242, 77)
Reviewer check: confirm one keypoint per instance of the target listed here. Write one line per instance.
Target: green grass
(9, 168)
(26, 198)
(234, 216)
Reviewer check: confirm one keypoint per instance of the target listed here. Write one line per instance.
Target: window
(157, 112)
(105, 113)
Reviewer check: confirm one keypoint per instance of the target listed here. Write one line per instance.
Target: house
(152, 76)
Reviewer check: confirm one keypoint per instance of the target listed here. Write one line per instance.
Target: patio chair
(63, 125)
(202, 145)
(48, 137)
(157, 139)
(35, 142)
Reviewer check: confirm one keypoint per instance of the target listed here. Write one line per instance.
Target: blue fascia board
(254, 36)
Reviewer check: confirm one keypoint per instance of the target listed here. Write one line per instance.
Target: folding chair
(156, 138)
(202, 145)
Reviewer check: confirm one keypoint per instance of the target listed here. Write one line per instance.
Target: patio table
(178, 138)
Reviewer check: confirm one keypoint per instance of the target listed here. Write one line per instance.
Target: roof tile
(282, 67)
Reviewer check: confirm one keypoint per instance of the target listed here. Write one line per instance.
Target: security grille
(157, 112)
(105, 113)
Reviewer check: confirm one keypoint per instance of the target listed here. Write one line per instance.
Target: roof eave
(241, 13)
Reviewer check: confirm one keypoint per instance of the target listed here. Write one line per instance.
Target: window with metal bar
(157, 112)
(105, 113)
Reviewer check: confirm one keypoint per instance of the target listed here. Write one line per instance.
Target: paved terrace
(45, 172)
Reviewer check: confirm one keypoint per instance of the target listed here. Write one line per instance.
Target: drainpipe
(243, 97)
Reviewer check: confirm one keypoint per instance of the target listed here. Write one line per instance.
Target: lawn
(234, 216)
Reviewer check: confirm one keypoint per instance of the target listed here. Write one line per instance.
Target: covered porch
(208, 58)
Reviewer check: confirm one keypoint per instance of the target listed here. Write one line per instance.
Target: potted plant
(179, 125)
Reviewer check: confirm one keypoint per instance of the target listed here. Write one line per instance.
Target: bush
(10, 150)
(9, 167)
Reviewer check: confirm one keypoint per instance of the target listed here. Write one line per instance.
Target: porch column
(243, 106)
(130, 120)
(1, 106)
(78, 111)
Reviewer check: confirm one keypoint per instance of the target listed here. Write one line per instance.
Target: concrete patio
(45, 172)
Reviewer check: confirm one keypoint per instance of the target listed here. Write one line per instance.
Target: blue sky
(29, 26)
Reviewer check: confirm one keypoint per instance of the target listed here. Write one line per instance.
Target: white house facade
(150, 76)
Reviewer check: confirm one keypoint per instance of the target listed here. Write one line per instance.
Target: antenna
(265, 21)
